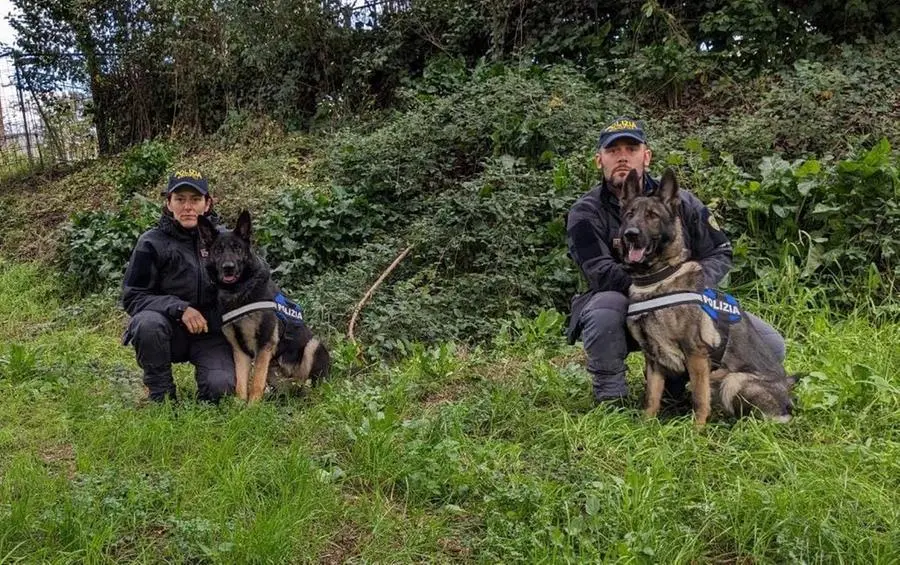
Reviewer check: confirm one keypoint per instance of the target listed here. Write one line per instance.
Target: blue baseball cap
(187, 178)
(622, 127)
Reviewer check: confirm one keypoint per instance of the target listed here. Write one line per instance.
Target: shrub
(815, 107)
(836, 223)
(97, 244)
(474, 181)
(143, 166)
(305, 234)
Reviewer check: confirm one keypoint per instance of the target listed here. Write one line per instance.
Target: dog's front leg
(241, 372)
(261, 372)
(241, 362)
(655, 381)
(698, 366)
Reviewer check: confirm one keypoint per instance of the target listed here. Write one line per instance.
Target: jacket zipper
(199, 270)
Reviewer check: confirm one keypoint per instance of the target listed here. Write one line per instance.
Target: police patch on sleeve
(711, 219)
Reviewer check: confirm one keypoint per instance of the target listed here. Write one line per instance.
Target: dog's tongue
(635, 254)
(228, 279)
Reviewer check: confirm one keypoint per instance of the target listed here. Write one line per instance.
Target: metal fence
(41, 129)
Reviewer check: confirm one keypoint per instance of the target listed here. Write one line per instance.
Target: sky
(7, 92)
(6, 32)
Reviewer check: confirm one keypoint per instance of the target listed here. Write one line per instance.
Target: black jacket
(594, 220)
(166, 275)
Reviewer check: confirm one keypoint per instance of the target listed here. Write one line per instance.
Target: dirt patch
(455, 549)
(450, 393)
(126, 547)
(503, 371)
(570, 356)
(730, 559)
(60, 457)
(343, 545)
(47, 200)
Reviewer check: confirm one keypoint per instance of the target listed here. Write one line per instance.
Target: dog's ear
(632, 187)
(243, 228)
(668, 187)
(207, 231)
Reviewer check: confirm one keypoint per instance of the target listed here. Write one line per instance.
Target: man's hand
(194, 321)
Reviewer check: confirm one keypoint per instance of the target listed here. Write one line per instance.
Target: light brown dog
(705, 335)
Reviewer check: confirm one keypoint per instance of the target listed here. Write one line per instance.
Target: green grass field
(451, 454)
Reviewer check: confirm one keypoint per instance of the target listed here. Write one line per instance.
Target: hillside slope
(477, 173)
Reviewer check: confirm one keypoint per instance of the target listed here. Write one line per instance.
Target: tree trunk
(88, 47)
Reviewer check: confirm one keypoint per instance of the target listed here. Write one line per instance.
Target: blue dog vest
(287, 311)
(723, 308)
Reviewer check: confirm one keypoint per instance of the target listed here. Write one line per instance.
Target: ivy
(97, 244)
(143, 166)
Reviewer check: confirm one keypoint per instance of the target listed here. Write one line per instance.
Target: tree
(58, 41)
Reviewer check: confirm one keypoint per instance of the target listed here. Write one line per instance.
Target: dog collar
(653, 278)
(229, 317)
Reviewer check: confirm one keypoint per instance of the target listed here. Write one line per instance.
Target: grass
(448, 455)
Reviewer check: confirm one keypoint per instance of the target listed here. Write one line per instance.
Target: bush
(305, 234)
(474, 181)
(479, 179)
(97, 244)
(835, 223)
(143, 166)
(816, 107)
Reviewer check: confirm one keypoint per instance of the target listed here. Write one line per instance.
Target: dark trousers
(607, 344)
(159, 342)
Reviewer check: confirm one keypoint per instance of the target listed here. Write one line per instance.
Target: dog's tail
(316, 361)
(744, 393)
(795, 378)
(730, 392)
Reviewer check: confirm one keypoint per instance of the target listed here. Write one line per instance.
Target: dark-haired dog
(687, 328)
(262, 327)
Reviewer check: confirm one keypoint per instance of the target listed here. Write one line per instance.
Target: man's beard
(616, 182)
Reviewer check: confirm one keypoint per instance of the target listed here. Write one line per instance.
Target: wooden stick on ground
(371, 291)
